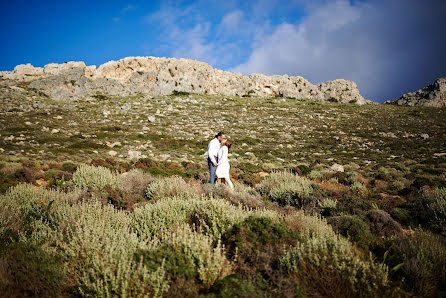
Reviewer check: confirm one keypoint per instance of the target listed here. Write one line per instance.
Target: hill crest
(162, 76)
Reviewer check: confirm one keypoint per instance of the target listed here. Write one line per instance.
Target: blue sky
(388, 47)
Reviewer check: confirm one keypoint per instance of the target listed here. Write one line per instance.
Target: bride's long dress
(223, 163)
(223, 167)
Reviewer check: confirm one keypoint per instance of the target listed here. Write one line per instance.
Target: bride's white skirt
(222, 170)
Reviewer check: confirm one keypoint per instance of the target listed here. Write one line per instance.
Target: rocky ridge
(162, 76)
(433, 95)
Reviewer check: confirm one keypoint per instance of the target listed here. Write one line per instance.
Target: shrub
(329, 266)
(170, 187)
(23, 204)
(257, 243)
(318, 174)
(241, 195)
(304, 169)
(234, 286)
(285, 188)
(214, 217)
(429, 210)
(423, 256)
(135, 181)
(121, 199)
(190, 255)
(438, 207)
(69, 167)
(99, 249)
(94, 177)
(328, 206)
(382, 224)
(27, 175)
(149, 220)
(26, 270)
(211, 216)
(359, 189)
(354, 228)
(401, 215)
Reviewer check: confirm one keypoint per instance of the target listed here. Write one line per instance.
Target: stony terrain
(107, 195)
(161, 76)
(433, 95)
(276, 131)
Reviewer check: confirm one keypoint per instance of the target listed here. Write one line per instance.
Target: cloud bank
(388, 47)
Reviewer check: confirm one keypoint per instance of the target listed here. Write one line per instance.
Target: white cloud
(377, 44)
(187, 33)
(231, 21)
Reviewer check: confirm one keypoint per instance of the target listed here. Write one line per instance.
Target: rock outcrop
(433, 95)
(162, 76)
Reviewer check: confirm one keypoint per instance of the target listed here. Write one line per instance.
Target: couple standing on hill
(218, 162)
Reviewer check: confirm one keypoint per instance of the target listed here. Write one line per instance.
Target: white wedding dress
(223, 163)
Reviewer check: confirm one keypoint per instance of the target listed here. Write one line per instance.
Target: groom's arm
(212, 153)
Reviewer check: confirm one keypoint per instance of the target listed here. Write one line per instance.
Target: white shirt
(213, 147)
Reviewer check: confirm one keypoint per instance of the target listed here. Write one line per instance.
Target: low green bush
(354, 228)
(189, 255)
(27, 270)
(98, 247)
(93, 177)
(257, 243)
(329, 266)
(135, 181)
(285, 188)
(423, 258)
(401, 215)
(170, 187)
(382, 224)
(429, 210)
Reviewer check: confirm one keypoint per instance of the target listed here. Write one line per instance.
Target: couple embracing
(218, 162)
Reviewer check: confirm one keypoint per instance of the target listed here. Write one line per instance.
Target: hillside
(107, 196)
(433, 95)
(162, 76)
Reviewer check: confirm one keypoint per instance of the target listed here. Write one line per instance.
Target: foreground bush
(173, 186)
(135, 181)
(423, 256)
(93, 177)
(241, 194)
(184, 245)
(187, 256)
(354, 228)
(430, 210)
(327, 265)
(285, 188)
(210, 216)
(24, 209)
(99, 249)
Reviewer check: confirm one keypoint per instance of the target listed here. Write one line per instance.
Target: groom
(213, 148)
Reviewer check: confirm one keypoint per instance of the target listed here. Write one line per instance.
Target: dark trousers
(211, 171)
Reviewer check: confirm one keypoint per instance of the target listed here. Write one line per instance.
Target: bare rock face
(162, 76)
(433, 95)
(341, 91)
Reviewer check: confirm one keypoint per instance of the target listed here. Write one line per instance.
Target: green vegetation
(109, 197)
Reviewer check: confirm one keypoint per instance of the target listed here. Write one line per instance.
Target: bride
(222, 171)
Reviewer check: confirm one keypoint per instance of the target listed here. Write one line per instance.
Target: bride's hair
(228, 144)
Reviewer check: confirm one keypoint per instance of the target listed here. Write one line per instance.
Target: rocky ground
(330, 198)
(268, 133)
